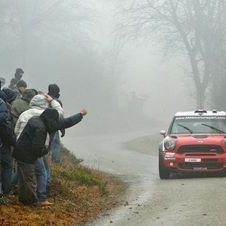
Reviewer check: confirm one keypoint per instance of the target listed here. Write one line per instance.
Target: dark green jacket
(21, 104)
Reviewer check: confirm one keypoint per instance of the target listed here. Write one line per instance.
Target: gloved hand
(62, 132)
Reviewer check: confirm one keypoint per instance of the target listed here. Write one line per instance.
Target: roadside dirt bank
(78, 194)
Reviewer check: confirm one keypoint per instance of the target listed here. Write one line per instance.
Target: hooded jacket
(31, 143)
(37, 105)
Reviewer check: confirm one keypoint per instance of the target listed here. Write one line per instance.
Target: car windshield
(198, 125)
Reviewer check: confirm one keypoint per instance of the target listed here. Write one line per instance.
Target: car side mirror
(163, 132)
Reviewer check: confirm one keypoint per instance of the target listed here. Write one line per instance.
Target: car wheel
(164, 173)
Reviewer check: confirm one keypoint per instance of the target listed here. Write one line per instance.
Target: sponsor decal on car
(200, 117)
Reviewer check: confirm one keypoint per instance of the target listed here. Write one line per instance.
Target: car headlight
(169, 144)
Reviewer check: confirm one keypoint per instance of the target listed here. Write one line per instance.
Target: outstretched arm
(65, 123)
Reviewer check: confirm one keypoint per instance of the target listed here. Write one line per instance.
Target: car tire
(164, 173)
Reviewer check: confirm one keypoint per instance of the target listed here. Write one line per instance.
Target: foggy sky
(82, 53)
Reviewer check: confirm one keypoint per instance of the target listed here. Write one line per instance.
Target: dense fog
(125, 84)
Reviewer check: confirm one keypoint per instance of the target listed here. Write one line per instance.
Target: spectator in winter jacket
(21, 104)
(38, 104)
(3, 164)
(31, 146)
(7, 134)
(18, 106)
(7, 140)
(54, 92)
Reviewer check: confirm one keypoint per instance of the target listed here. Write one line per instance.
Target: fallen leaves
(77, 198)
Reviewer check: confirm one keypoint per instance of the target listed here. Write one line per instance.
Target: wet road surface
(150, 201)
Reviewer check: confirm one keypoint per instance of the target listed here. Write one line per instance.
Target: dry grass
(79, 195)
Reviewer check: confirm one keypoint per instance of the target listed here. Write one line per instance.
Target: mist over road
(151, 201)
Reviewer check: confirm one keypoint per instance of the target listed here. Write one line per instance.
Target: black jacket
(7, 136)
(31, 143)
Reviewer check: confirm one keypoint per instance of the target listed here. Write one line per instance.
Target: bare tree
(195, 28)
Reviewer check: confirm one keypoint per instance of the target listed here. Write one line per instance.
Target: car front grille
(200, 149)
(197, 165)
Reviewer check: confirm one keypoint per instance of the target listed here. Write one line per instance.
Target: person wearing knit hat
(54, 92)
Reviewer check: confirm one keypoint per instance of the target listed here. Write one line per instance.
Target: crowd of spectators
(31, 122)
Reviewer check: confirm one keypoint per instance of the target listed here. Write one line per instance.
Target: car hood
(200, 139)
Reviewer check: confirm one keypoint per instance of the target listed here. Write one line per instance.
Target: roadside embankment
(79, 195)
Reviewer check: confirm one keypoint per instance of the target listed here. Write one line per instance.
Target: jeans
(6, 167)
(47, 166)
(41, 176)
(55, 148)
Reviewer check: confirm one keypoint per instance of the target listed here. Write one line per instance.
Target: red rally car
(194, 142)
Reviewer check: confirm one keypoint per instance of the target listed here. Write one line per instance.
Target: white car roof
(201, 112)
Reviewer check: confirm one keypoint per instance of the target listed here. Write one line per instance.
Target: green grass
(71, 171)
(69, 156)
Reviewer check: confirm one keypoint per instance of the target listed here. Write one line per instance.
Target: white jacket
(38, 104)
